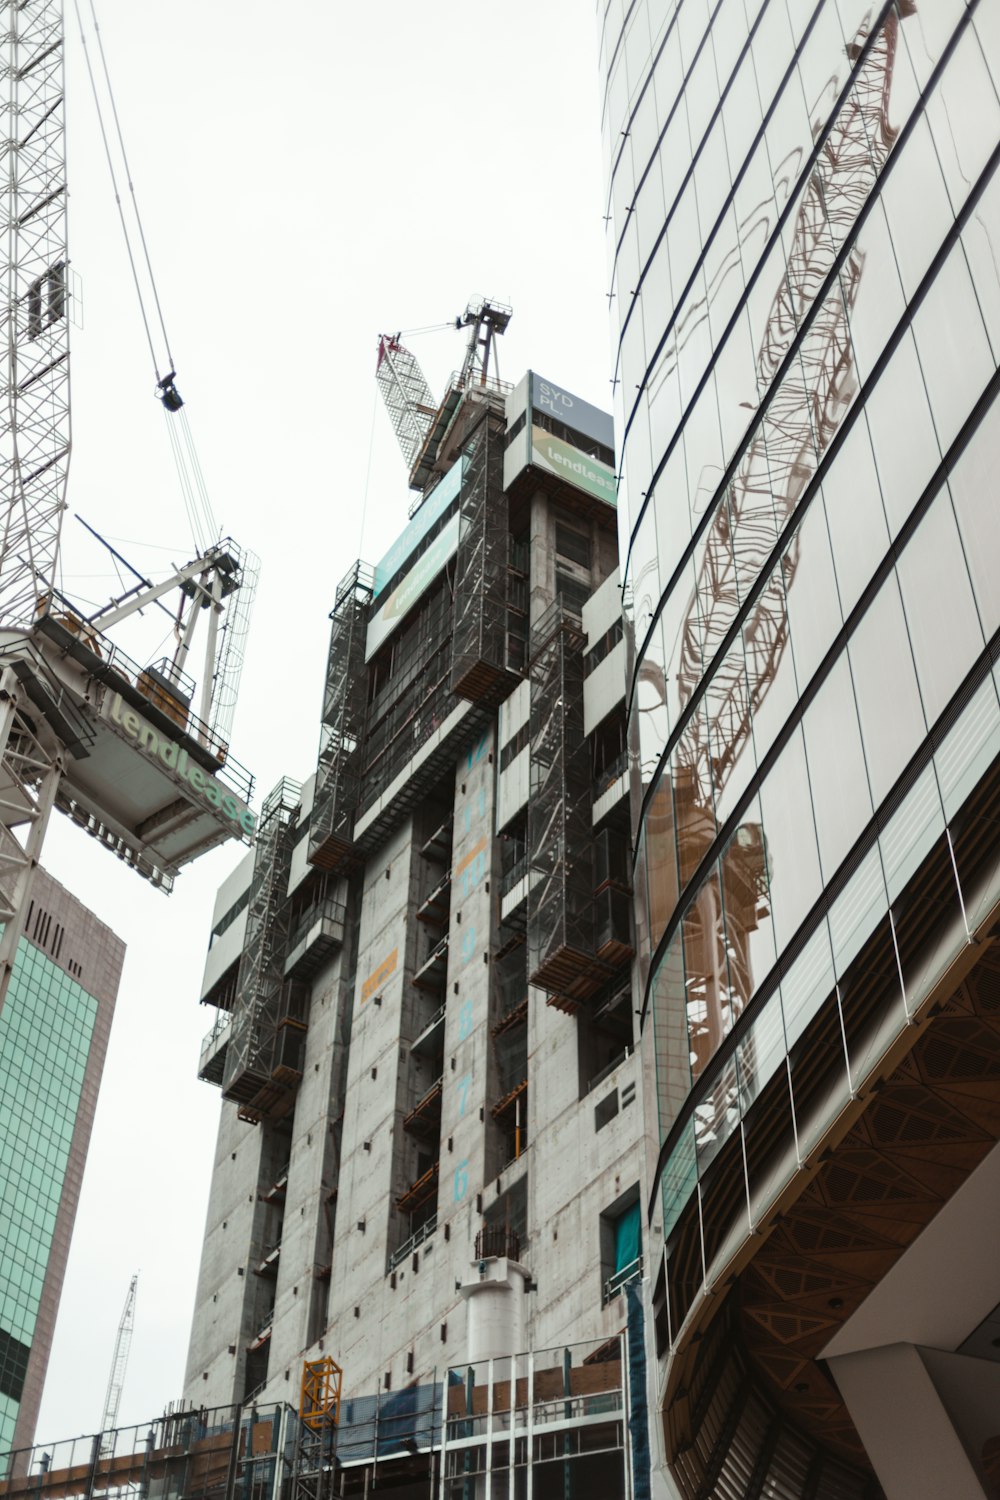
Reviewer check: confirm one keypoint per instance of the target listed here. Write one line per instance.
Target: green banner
(411, 587)
(558, 457)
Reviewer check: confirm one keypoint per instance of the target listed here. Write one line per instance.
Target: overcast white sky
(310, 173)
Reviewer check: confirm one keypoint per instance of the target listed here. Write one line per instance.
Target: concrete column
(496, 1326)
(908, 1433)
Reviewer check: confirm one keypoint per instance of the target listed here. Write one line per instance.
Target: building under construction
(421, 976)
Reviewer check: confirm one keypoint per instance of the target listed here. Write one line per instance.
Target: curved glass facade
(804, 235)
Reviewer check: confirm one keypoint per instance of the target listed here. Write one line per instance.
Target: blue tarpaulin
(628, 1237)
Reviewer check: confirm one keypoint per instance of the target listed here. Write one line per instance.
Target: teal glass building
(53, 1037)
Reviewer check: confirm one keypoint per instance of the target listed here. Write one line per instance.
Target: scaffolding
(480, 663)
(552, 1422)
(226, 1453)
(560, 1414)
(338, 773)
(561, 955)
(269, 1016)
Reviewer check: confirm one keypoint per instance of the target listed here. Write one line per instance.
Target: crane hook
(168, 392)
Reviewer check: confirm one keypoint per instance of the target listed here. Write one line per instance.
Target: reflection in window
(706, 969)
(792, 856)
(772, 865)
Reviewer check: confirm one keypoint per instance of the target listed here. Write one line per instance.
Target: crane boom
(119, 1363)
(406, 394)
(417, 419)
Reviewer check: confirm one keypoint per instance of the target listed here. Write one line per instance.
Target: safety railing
(620, 1279)
(416, 1239)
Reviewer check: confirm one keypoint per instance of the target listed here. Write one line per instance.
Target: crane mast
(800, 420)
(34, 414)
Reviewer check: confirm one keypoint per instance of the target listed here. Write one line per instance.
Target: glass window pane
(981, 239)
(727, 705)
(745, 895)
(811, 592)
(970, 748)
(660, 852)
(706, 970)
(973, 489)
(872, 291)
(906, 453)
(911, 832)
(917, 205)
(955, 355)
(837, 774)
(940, 611)
(857, 911)
(885, 683)
(807, 984)
(673, 1064)
(964, 117)
(790, 841)
(858, 531)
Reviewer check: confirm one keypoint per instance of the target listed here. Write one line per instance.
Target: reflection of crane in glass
(799, 420)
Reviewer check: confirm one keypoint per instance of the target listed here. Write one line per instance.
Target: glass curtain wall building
(53, 1037)
(804, 233)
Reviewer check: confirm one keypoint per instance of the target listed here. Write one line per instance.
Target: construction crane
(802, 417)
(124, 747)
(419, 421)
(119, 1362)
(406, 394)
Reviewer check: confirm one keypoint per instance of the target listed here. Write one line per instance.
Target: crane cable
(114, 184)
(189, 472)
(411, 333)
(131, 187)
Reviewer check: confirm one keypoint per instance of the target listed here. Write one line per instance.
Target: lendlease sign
(549, 404)
(562, 458)
(173, 758)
